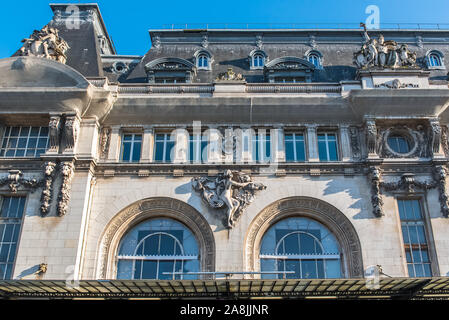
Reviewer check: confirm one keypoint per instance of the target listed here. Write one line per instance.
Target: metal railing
(298, 25)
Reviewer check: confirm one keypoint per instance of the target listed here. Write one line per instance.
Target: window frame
(199, 139)
(337, 142)
(122, 138)
(294, 133)
(439, 57)
(167, 136)
(19, 194)
(431, 249)
(258, 145)
(25, 149)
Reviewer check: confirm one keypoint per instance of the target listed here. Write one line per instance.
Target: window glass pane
(169, 151)
(158, 238)
(136, 151)
(126, 153)
(159, 151)
(12, 209)
(415, 239)
(322, 151)
(22, 141)
(298, 238)
(289, 151)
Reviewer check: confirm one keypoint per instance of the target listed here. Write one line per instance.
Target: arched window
(435, 60)
(314, 59)
(158, 249)
(258, 60)
(203, 61)
(301, 246)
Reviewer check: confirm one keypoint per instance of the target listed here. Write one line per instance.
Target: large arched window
(303, 246)
(158, 249)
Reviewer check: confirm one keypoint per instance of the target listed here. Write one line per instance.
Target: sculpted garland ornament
(232, 191)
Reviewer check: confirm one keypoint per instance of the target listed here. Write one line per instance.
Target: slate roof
(231, 48)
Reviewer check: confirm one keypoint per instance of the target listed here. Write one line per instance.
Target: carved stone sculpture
(105, 138)
(54, 133)
(408, 183)
(378, 53)
(14, 180)
(230, 76)
(45, 43)
(440, 173)
(376, 198)
(71, 130)
(371, 136)
(232, 191)
(444, 140)
(417, 138)
(67, 170)
(435, 134)
(47, 191)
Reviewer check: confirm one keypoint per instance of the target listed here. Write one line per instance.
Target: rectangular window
(131, 147)
(10, 223)
(164, 147)
(261, 144)
(198, 148)
(295, 149)
(415, 240)
(327, 146)
(24, 142)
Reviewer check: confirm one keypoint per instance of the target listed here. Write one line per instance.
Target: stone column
(181, 145)
(147, 144)
(345, 143)
(371, 139)
(215, 145)
(114, 145)
(312, 143)
(278, 146)
(87, 144)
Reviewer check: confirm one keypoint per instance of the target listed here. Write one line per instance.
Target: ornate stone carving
(54, 133)
(371, 136)
(375, 174)
(355, 143)
(444, 140)
(440, 174)
(205, 42)
(416, 137)
(157, 41)
(435, 134)
(259, 42)
(67, 170)
(378, 53)
(396, 84)
(105, 138)
(231, 190)
(316, 209)
(15, 179)
(230, 76)
(147, 209)
(408, 183)
(71, 131)
(48, 183)
(45, 43)
(312, 41)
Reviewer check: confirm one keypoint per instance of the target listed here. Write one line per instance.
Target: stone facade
(82, 197)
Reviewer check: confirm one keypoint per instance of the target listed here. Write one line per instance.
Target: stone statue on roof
(378, 53)
(45, 43)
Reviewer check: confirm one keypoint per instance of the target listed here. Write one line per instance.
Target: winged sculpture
(230, 190)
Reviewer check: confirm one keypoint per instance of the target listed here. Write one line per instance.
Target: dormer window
(203, 60)
(434, 60)
(315, 57)
(257, 59)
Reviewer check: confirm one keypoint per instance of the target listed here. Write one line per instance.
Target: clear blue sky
(128, 21)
